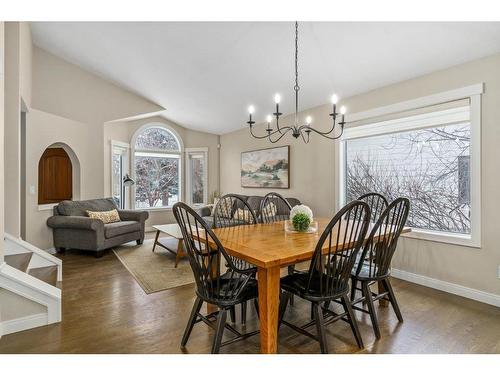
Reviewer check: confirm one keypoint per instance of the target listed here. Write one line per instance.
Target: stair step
(19, 261)
(46, 274)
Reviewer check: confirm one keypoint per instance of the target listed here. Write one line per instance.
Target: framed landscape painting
(267, 168)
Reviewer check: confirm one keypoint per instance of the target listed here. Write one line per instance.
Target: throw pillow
(243, 215)
(105, 216)
(269, 210)
(225, 208)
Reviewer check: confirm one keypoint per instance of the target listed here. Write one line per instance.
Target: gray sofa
(72, 228)
(253, 201)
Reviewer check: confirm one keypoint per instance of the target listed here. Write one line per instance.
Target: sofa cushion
(121, 227)
(254, 203)
(209, 220)
(293, 201)
(79, 208)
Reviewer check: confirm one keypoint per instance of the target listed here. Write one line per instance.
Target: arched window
(157, 167)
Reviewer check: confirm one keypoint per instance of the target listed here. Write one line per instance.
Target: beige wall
(12, 130)
(312, 174)
(25, 62)
(124, 131)
(311, 168)
(43, 130)
(69, 106)
(66, 90)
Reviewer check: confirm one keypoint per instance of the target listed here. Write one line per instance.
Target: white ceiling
(206, 74)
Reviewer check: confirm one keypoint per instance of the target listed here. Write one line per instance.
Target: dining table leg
(269, 291)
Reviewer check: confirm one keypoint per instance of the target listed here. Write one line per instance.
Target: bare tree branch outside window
(429, 166)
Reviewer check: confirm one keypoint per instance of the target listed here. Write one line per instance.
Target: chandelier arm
(287, 128)
(303, 137)
(278, 124)
(323, 134)
(318, 131)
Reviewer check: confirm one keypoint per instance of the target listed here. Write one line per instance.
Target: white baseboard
(24, 323)
(463, 291)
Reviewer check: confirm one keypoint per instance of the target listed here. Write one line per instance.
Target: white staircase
(34, 275)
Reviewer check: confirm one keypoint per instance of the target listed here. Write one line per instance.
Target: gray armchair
(73, 229)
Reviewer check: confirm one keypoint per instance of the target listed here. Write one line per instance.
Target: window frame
(134, 150)
(125, 151)
(473, 93)
(197, 151)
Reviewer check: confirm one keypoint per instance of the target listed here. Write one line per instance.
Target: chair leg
(244, 313)
(312, 311)
(219, 331)
(192, 319)
(392, 298)
(371, 307)
(354, 284)
(285, 298)
(232, 312)
(320, 327)
(352, 321)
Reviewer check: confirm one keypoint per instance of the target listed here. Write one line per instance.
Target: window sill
(155, 209)
(448, 238)
(46, 207)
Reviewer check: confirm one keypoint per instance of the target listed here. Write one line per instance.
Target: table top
(171, 229)
(268, 245)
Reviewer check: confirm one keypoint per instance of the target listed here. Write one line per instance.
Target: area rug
(154, 271)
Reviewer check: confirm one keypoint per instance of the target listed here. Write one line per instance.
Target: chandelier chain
(297, 87)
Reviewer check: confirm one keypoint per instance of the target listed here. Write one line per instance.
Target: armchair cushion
(121, 227)
(132, 215)
(205, 211)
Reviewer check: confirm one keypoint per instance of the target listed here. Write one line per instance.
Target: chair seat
(296, 283)
(227, 283)
(121, 227)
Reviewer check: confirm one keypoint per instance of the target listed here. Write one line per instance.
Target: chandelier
(304, 130)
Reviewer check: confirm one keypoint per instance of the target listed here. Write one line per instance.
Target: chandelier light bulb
(342, 110)
(277, 98)
(308, 120)
(334, 99)
(251, 109)
(269, 119)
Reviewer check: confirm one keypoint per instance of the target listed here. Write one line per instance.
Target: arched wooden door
(55, 176)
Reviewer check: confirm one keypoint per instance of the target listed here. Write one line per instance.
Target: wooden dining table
(270, 248)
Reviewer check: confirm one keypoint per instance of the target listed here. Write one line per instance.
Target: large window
(428, 166)
(119, 168)
(197, 185)
(430, 156)
(157, 166)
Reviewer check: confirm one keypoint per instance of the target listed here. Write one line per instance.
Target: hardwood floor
(106, 311)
